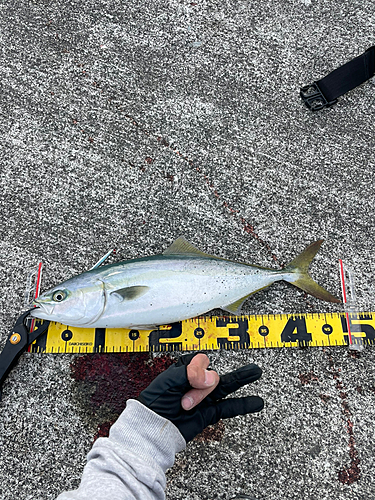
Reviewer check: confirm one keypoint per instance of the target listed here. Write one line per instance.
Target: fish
(181, 283)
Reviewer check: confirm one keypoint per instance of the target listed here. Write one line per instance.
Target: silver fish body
(141, 293)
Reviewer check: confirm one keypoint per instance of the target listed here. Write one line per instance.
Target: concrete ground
(128, 124)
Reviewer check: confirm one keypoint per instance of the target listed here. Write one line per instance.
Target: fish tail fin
(300, 267)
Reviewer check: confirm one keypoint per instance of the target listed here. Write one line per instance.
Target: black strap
(325, 92)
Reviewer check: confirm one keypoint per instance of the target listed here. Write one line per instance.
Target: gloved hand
(164, 395)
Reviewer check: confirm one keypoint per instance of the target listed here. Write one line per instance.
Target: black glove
(163, 396)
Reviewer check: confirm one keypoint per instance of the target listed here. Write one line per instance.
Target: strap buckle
(314, 98)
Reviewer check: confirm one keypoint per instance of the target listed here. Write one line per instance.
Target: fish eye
(59, 296)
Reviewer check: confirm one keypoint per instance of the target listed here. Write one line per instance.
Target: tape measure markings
(218, 332)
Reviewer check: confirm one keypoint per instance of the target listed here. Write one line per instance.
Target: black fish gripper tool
(17, 342)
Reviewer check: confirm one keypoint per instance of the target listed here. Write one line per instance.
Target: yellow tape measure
(218, 332)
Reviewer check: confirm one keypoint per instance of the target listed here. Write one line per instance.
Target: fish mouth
(40, 308)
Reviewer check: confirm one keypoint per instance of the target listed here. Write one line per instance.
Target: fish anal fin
(181, 247)
(130, 292)
(235, 307)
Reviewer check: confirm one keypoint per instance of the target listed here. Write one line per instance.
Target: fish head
(76, 302)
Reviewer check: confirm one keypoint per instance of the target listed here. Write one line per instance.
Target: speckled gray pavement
(128, 124)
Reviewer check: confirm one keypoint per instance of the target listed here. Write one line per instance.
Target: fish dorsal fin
(235, 307)
(130, 292)
(181, 247)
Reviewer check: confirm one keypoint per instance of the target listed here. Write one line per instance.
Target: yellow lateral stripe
(218, 332)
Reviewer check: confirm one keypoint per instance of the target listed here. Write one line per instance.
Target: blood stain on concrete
(306, 378)
(103, 429)
(212, 433)
(106, 381)
(354, 354)
(324, 397)
(246, 226)
(351, 473)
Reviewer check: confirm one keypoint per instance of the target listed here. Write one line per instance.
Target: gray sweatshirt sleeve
(130, 464)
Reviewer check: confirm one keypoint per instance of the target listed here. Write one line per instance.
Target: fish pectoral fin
(235, 307)
(181, 246)
(130, 292)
